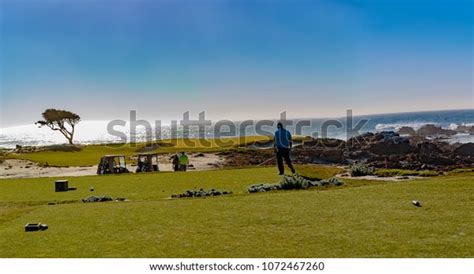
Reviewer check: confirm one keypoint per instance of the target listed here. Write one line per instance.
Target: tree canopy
(61, 120)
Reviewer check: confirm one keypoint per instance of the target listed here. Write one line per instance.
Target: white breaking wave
(397, 126)
(457, 138)
(418, 125)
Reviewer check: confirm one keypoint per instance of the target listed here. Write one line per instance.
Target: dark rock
(397, 145)
(406, 131)
(465, 150)
(358, 154)
(432, 130)
(332, 155)
(465, 129)
(428, 148)
(324, 142)
(361, 140)
(436, 160)
(386, 135)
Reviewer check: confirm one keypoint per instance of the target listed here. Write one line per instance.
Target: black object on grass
(61, 185)
(416, 203)
(35, 227)
(93, 199)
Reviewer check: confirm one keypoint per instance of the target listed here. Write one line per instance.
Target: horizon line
(276, 119)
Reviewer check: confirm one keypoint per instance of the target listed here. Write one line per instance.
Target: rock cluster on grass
(201, 193)
(294, 182)
(94, 199)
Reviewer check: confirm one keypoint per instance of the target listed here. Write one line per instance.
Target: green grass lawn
(360, 219)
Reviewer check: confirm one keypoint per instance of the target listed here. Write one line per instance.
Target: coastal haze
(95, 132)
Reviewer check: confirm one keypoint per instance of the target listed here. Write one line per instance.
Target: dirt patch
(13, 168)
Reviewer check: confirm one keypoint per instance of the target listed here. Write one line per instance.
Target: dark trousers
(284, 153)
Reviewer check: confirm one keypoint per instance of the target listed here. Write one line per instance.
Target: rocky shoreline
(389, 150)
(385, 149)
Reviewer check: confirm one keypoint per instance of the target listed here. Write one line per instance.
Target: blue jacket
(282, 138)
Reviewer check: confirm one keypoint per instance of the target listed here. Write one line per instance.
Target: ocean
(95, 132)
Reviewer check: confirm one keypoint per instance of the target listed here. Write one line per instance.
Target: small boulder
(406, 131)
(432, 130)
(465, 150)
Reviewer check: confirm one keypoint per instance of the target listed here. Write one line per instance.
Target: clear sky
(234, 59)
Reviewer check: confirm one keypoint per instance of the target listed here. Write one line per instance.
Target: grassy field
(360, 219)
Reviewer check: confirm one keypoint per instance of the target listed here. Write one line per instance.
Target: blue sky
(234, 59)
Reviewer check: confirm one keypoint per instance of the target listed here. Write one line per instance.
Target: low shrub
(294, 181)
(201, 193)
(360, 170)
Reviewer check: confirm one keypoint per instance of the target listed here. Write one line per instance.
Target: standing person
(283, 144)
(175, 162)
(183, 161)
